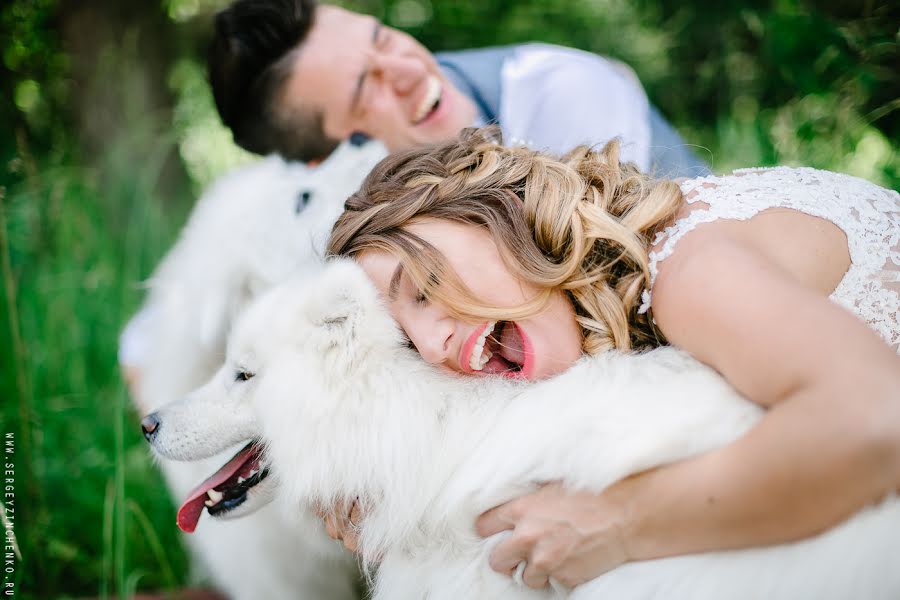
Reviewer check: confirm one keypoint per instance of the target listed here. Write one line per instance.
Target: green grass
(93, 514)
(768, 83)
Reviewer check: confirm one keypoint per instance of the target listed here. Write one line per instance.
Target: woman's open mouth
(498, 348)
(225, 489)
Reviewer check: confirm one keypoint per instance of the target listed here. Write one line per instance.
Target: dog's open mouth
(225, 489)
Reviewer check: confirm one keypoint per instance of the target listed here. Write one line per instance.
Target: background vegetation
(107, 134)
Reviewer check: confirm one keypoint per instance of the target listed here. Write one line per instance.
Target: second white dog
(251, 230)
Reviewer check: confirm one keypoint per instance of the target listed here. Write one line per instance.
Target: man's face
(368, 78)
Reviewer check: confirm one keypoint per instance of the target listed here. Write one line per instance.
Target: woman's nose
(433, 338)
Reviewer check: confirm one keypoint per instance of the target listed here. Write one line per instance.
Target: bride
(787, 281)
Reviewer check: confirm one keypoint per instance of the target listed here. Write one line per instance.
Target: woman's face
(533, 348)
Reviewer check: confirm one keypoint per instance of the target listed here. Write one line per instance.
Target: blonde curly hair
(581, 223)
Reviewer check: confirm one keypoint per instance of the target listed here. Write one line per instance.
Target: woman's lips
(524, 355)
(527, 353)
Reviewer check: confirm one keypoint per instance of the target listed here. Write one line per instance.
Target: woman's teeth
(431, 97)
(480, 354)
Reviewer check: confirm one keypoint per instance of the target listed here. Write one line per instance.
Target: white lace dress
(868, 214)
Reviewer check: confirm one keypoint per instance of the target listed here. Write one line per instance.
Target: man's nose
(403, 73)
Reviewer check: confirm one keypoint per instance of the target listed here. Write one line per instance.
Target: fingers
(342, 522)
(535, 577)
(507, 555)
(331, 528)
(527, 556)
(530, 553)
(506, 516)
(329, 516)
(354, 515)
(500, 518)
(351, 541)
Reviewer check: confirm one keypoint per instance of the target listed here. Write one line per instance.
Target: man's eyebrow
(394, 284)
(357, 91)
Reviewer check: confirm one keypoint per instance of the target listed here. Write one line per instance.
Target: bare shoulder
(731, 306)
(812, 250)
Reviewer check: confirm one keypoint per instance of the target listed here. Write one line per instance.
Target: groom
(296, 78)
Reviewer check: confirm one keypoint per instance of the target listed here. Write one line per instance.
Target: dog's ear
(342, 293)
(345, 309)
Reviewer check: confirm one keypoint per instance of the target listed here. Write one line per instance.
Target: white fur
(249, 231)
(348, 411)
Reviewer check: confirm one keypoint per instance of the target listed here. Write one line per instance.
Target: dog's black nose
(150, 425)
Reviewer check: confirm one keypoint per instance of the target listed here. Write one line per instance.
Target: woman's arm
(829, 444)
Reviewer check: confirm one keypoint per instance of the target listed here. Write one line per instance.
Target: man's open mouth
(225, 489)
(430, 101)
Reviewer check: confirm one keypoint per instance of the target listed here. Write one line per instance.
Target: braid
(582, 223)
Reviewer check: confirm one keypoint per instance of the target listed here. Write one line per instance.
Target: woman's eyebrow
(394, 284)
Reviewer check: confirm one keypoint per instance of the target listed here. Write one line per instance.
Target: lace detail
(868, 214)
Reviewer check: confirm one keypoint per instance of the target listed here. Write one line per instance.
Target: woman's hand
(342, 522)
(571, 537)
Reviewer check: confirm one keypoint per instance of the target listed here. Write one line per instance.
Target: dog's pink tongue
(190, 511)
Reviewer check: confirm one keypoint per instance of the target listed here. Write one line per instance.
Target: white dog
(251, 230)
(319, 371)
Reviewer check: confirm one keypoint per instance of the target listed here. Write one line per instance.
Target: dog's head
(300, 360)
(251, 230)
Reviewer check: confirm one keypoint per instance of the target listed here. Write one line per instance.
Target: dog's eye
(243, 375)
(303, 199)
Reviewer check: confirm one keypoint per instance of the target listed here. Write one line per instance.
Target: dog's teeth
(253, 472)
(214, 495)
(241, 479)
(209, 503)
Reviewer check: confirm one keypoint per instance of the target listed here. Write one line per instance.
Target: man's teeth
(214, 497)
(432, 95)
(480, 354)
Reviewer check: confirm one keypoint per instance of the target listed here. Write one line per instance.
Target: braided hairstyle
(581, 223)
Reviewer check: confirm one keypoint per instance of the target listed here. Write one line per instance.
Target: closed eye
(364, 75)
(408, 342)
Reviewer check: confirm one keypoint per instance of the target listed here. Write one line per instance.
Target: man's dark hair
(250, 60)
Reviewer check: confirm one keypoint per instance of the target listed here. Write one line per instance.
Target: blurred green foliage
(85, 215)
